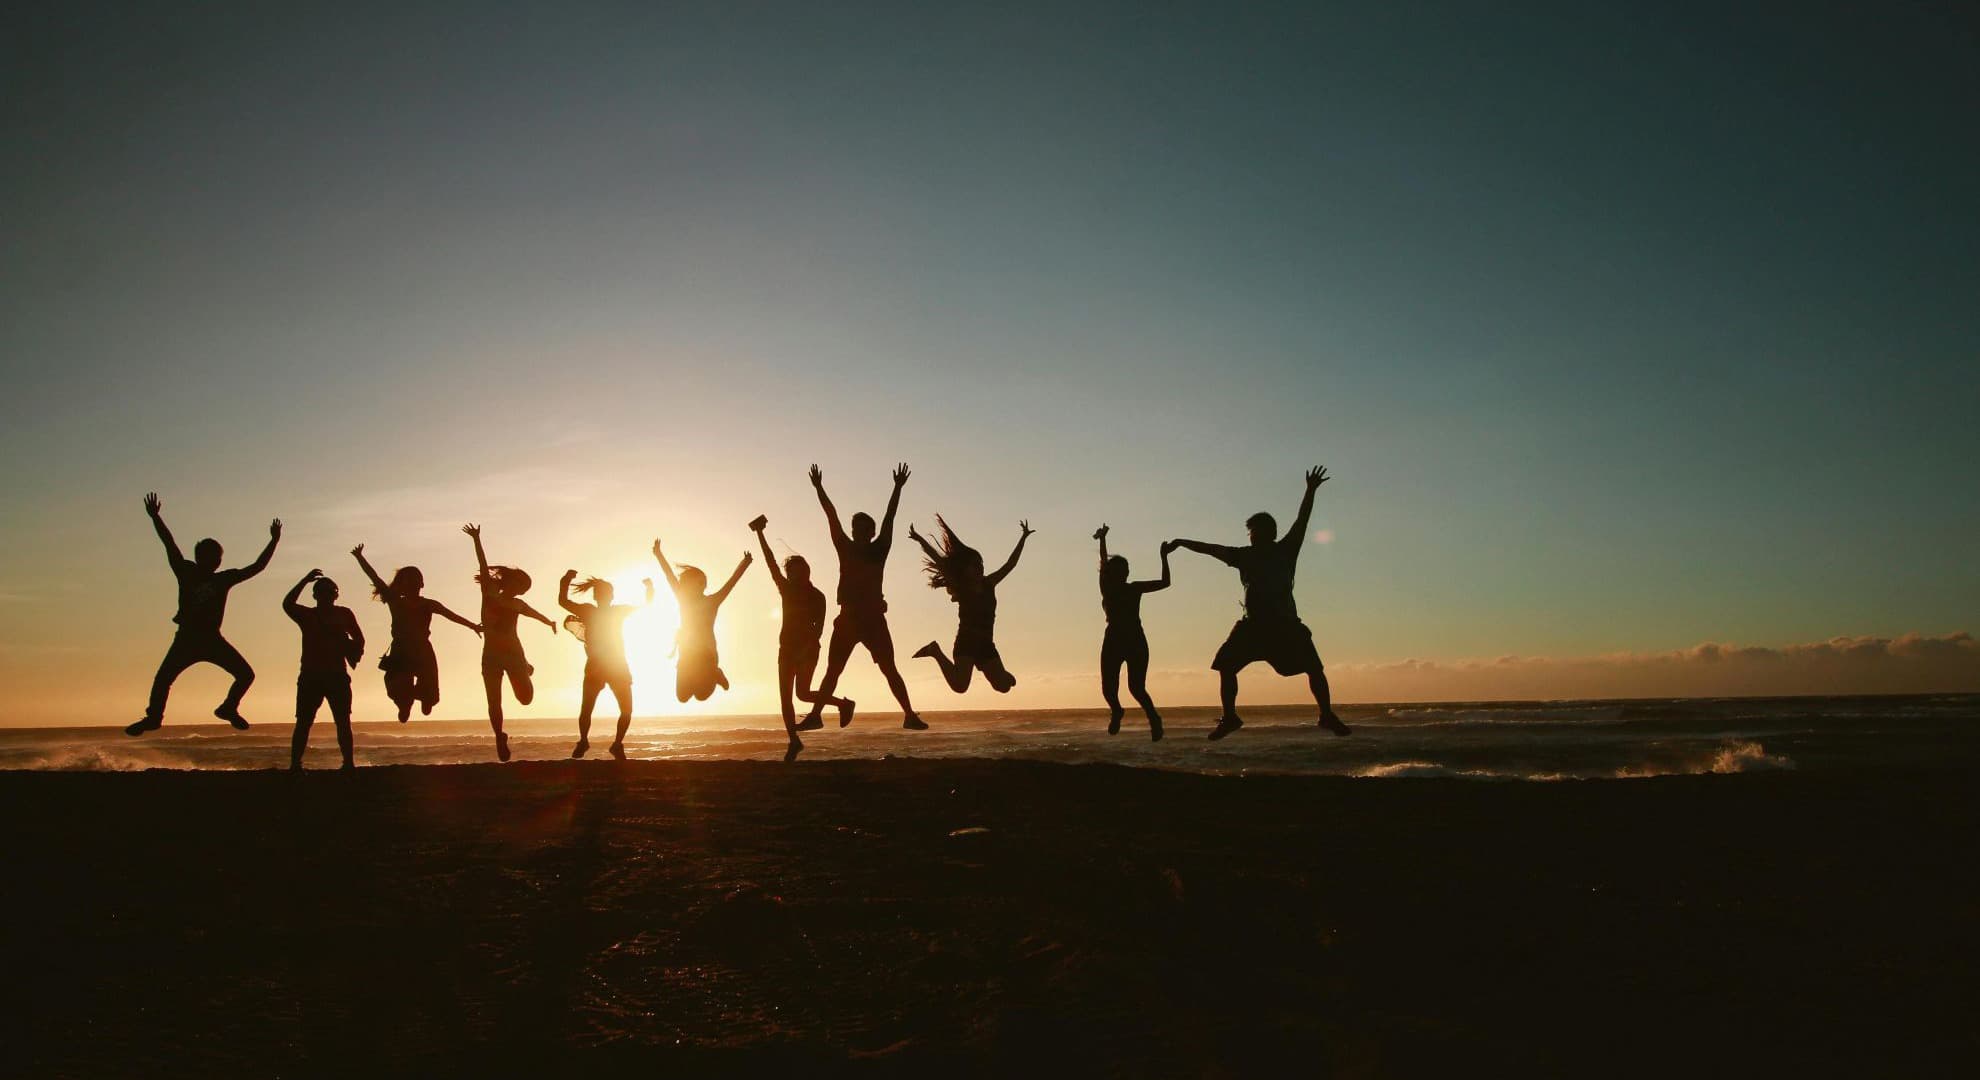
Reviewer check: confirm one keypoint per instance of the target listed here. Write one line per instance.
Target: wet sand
(978, 917)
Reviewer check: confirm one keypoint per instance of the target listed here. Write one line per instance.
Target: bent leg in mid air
(955, 672)
(230, 660)
(844, 637)
(880, 645)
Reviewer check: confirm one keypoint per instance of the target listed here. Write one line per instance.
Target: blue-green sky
(1622, 328)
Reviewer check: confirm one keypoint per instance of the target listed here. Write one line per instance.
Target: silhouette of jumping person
(862, 616)
(797, 640)
(957, 567)
(602, 628)
(203, 588)
(331, 644)
(501, 648)
(698, 665)
(1270, 629)
(412, 672)
(1125, 642)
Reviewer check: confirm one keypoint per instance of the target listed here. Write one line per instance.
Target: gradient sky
(1621, 328)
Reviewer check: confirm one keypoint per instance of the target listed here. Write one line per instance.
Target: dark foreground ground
(599, 918)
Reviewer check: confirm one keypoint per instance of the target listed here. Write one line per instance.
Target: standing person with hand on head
(957, 567)
(698, 669)
(602, 628)
(203, 589)
(1125, 642)
(802, 625)
(332, 643)
(501, 647)
(1270, 629)
(412, 672)
(862, 605)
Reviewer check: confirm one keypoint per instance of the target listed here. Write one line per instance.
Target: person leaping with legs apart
(1270, 629)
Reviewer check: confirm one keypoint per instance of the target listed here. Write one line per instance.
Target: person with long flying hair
(958, 568)
(501, 647)
(601, 625)
(412, 672)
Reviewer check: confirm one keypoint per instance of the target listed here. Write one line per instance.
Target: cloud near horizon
(1910, 664)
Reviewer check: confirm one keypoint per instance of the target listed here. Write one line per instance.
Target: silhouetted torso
(326, 638)
(698, 611)
(976, 614)
(498, 623)
(605, 638)
(203, 597)
(804, 613)
(412, 619)
(1267, 573)
(1122, 603)
(861, 567)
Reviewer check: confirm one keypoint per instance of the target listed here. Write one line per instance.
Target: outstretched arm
(267, 553)
(564, 594)
(290, 606)
(447, 613)
(831, 512)
(1314, 478)
(1158, 586)
(770, 559)
(722, 593)
(154, 507)
(377, 582)
(1025, 531)
(1215, 551)
(522, 607)
(886, 537)
(1100, 534)
(480, 557)
(665, 568)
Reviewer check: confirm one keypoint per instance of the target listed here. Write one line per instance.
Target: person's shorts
(796, 654)
(315, 691)
(979, 650)
(864, 626)
(1286, 644)
(506, 662)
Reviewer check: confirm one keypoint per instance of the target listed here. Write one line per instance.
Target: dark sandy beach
(980, 917)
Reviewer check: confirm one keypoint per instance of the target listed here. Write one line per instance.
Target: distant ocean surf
(1563, 740)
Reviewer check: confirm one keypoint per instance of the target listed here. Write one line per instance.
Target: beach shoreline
(905, 914)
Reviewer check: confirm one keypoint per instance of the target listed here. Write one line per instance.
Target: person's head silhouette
(1116, 572)
(600, 590)
(797, 569)
(1262, 527)
(206, 554)
(325, 592)
(863, 529)
(694, 579)
(408, 582)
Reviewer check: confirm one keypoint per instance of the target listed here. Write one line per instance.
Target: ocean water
(1536, 741)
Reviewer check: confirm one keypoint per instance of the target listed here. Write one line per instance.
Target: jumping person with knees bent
(332, 643)
(1126, 643)
(957, 567)
(501, 648)
(797, 639)
(1270, 630)
(203, 590)
(412, 672)
(698, 670)
(862, 607)
(602, 628)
